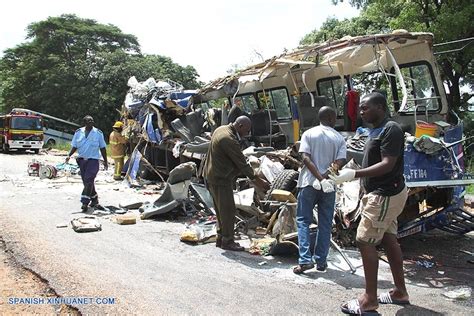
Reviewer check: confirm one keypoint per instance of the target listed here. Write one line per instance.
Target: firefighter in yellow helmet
(117, 147)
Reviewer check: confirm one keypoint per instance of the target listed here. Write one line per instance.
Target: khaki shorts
(379, 216)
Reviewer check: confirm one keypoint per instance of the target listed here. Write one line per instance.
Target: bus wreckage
(282, 96)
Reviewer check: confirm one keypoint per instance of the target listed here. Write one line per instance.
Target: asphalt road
(144, 269)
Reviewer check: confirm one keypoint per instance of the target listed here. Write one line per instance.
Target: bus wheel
(6, 148)
(50, 143)
(36, 151)
(285, 180)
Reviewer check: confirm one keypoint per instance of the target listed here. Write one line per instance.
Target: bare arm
(311, 166)
(71, 152)
(104, 155)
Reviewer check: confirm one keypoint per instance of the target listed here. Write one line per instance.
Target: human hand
(317, 185)
(327, 185)
(343, 176)
(67, 159)
(106, 165)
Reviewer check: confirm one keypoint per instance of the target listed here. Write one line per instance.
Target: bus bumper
(20, 144)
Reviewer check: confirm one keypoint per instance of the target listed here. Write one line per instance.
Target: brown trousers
(224, 204)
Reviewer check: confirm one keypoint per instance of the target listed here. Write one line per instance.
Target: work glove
(343, 176)
(317, 185)
(327, 185)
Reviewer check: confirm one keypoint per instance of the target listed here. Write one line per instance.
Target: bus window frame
(240, 96)
(393, 84)
(261, 107)
(331, 79)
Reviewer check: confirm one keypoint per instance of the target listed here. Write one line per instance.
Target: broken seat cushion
(85, 224)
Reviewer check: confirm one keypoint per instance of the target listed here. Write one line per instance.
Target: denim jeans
(308, 197)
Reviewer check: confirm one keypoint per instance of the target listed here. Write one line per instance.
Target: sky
(210, 35)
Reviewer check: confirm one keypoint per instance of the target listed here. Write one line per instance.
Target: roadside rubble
(460, 293)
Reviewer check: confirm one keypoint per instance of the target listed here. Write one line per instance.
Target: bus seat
(308, 115)
(266, 129)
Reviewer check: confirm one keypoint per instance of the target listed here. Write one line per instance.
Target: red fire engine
(21, 130)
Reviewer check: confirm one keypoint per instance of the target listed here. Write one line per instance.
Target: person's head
(373, 108)
(237, 102)
(88, 122)
(118, 126)
(242, 125)
(327, 116)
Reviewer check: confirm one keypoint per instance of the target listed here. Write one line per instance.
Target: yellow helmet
(118, 124)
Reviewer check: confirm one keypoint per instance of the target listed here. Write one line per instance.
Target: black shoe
(94, 203)
(322, 267)
(97, 206)
(219, 241)
(232, 246)
(84, 207)
(302, 268)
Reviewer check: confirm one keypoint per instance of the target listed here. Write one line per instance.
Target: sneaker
(322, 267)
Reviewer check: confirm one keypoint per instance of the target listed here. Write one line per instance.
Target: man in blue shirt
(90, 144)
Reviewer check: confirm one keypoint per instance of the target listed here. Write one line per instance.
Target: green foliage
(71, 67)
(448, 20)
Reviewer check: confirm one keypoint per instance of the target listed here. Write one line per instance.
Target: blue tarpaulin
(154, 135)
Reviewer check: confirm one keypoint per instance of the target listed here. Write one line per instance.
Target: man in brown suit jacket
(224, 162)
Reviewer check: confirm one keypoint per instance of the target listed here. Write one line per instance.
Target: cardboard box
(126, 219)
(283, 196)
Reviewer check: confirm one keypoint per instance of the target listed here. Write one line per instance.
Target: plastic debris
(425, 263)
(463, 293)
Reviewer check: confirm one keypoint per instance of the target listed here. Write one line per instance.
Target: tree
(73, 66)
(448, 20)
(59, 69)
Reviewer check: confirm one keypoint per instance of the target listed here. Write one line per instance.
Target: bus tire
(36, 151)
(285, 180)
(6, 148)
(50, 143)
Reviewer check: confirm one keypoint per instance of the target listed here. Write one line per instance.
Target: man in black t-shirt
(384, 198)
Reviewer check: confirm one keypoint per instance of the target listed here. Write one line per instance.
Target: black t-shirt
(388, 140)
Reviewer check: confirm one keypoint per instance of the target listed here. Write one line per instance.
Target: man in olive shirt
(224, 163)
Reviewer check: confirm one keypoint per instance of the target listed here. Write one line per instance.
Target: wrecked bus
(283, 95)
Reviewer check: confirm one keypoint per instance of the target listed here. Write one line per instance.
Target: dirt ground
(440, 260)
(18, 282)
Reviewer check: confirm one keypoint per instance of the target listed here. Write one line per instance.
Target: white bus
(56, 130)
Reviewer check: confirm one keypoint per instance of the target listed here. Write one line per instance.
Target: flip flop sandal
(352, 307)
(386, 298)
(302, 268)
